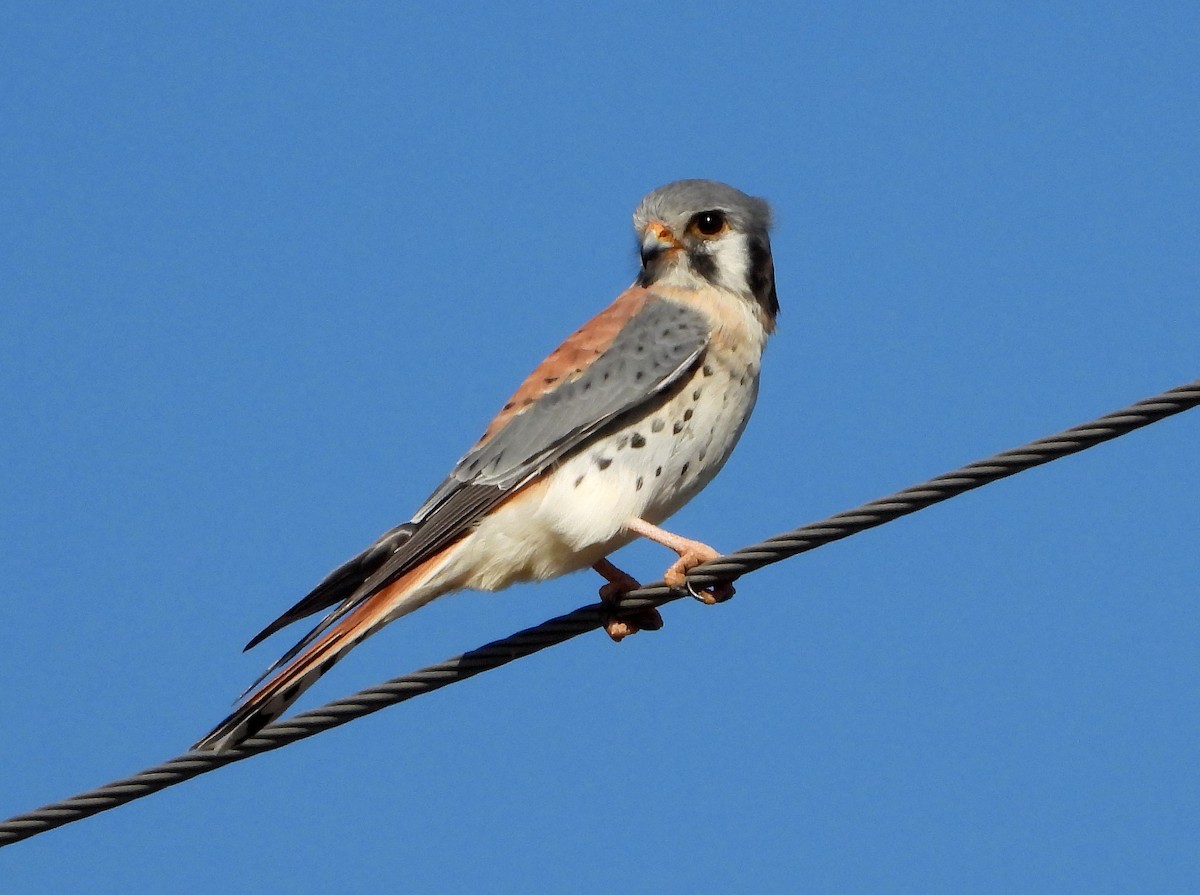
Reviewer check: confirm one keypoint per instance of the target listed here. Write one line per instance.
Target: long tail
(267, 701)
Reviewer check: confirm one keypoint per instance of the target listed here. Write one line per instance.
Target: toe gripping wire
(588, 618)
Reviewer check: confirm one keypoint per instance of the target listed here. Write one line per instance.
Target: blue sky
(269, 269)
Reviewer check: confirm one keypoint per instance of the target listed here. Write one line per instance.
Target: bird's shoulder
(572, 358)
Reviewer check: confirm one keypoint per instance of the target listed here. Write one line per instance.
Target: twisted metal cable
(588, 618)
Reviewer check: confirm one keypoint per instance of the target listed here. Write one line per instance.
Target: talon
(619, 584)
(642, 620)
(691, 554)
(618, 629)
(710, 596)
(694, 554)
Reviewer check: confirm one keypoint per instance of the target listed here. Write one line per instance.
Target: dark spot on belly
(687, 414)
(696, 395)
(677, 428)
(550, 380)
(638, 441)
(509, 406)
(603, 462)
(579, 481)
(657, 471)
(683, 471)
(657, 425)
(640, 482)
(707, 370)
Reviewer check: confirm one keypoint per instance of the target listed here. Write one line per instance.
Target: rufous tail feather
(271, 699)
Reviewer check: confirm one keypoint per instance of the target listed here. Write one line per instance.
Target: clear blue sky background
(268, 270)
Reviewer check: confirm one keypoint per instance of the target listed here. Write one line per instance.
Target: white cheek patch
(732, 257)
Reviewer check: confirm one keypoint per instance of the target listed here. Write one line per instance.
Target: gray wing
(651, 352)
(658, 344)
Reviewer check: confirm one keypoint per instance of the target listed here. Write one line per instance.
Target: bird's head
(696, 233)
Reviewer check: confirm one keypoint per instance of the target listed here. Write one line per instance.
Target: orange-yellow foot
(619, 584)
(676, 576)
(691, 554)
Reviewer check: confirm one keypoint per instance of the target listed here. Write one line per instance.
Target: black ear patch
(762, 276)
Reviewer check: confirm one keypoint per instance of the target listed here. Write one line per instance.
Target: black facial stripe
(762, 276)
(703, 264)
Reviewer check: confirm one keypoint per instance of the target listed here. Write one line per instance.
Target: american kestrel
(612, 433)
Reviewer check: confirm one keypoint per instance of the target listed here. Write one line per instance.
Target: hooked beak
(656, 242)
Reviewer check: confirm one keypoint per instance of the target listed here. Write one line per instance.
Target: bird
(611, 434)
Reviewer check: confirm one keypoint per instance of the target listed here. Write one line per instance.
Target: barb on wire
(587, 618)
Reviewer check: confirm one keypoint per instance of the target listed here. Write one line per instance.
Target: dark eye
(709, 223)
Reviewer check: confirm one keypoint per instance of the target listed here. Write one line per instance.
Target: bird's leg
(691, 554)
(619, 584)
